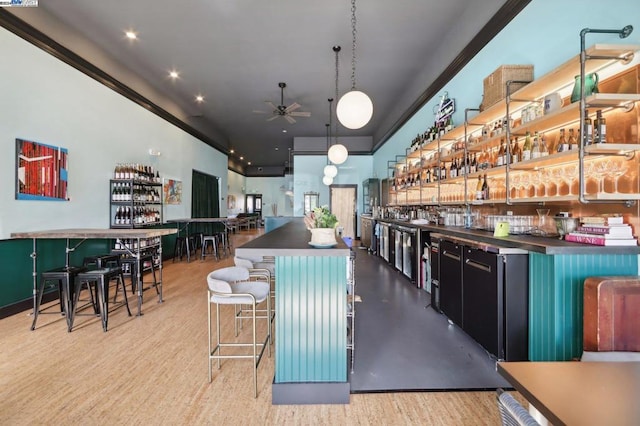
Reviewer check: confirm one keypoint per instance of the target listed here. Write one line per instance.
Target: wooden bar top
(291, 239)
(95, 233)
(579, 393)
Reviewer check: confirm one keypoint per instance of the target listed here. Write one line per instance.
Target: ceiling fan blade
(292, 107)
(290, 119)
(272, 118)
(300, 114)
(271, 105)
(255, 111)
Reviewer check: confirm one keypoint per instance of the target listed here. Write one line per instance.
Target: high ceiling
(235, 52)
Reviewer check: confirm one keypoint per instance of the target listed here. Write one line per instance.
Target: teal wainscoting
(556, 299)
(311, 325)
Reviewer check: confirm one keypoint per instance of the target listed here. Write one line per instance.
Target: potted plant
(322, 223)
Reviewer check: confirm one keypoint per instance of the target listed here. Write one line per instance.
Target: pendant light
(329, 170)
(354, 109)
(327, 180)
(337, 152)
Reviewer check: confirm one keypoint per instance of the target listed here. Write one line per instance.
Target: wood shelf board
(550, 160)
(611, 148)
(605, 100)
(605, 196)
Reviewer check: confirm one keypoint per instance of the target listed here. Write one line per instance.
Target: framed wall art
(172, 191)
(41, 171)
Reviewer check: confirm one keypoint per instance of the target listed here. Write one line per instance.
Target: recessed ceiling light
(199, 99)
(231, 151)
(284, 130)
(249, 163)
(277, 148)
(174, 74)
(242, 158)
(131, 35)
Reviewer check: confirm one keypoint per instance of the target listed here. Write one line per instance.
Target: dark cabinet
(370, 195)
(451, 281)
(495, 302)
(367, 235)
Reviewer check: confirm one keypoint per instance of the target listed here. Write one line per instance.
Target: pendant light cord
(353, 45)
(337, 50)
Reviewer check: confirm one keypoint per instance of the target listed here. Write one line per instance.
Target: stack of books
(604, 230)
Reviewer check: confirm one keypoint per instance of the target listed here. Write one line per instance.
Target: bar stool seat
(209, 240)
(64, 278)
(131, 266)
(101, 278)
(185, 246)
(229, 286)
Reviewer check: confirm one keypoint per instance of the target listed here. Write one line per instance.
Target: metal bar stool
(211, 240)
(230, 286)
(130, 264)
(101, 278)
(64, 277)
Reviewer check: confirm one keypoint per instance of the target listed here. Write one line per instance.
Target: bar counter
(544, 245)
(557, 271)
(311, 323)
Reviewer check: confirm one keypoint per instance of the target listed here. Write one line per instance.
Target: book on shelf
(618, 231)
(599, 240)
(604, 219)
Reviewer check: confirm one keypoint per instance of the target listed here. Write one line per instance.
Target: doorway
(343, 205)
(253, 203)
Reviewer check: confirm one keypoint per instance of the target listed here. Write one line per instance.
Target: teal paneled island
(311, 323)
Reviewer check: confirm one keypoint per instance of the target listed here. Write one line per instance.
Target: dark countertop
(291, 239)
(525, 242)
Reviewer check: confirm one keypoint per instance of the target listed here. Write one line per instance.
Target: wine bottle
(485, 188)
(572, 141)
(479, 188)
(601, 127)
(502, 153)
(562, 142)
(535, 146)
(588, 137)
(544, 149)
(526, 147)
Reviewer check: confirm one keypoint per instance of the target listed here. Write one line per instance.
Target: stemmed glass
(615, 170)
(571, 174)
(600, 170)
(514, 182)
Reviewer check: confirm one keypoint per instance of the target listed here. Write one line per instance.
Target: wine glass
(600, 171)
(571, 174)
(615, 170)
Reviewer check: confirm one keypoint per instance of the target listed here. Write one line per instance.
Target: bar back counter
(311, 324)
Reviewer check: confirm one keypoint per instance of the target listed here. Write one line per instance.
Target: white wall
(546, 34)
(273, 190)
(235, 187)
(47, 101)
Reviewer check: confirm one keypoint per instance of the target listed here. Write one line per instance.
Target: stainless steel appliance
(397, 244)
(410, 253)
(434, 248)
(383, 246)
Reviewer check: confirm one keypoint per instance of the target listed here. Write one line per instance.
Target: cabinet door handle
(478, 265)
(451, 255)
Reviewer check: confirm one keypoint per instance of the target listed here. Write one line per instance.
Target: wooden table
(183, 225)
(91, 233)
(579, 393)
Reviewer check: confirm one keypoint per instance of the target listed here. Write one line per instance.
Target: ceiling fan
(287, 112)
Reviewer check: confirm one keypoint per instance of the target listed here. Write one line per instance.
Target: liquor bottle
(562, 142)
(601, 128)
(449, 126)
(573, 142)
(474, 164)
(485, 188)
(526, 147)
(502, 152)
(544, 149)
(513, 151)
(479, 188)
(535, 147)
(588, 137)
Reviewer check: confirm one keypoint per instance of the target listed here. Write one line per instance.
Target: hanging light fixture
(329, 170)
(337, 153)
(354, 109)
(327, 180)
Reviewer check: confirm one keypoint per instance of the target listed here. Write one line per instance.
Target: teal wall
(546, 34)
(45, 100)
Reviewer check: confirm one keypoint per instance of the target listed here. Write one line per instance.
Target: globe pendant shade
(330, 170)
(338, 153)
(327, 180)
(354, 109)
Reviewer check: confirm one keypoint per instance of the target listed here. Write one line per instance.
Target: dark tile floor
(402, 346)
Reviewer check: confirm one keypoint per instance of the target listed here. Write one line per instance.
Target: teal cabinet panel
(311, 319)
(556, 299)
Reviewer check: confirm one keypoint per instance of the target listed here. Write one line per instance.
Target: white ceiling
(235, 52)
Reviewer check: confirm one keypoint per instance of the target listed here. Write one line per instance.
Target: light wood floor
(152, 370)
